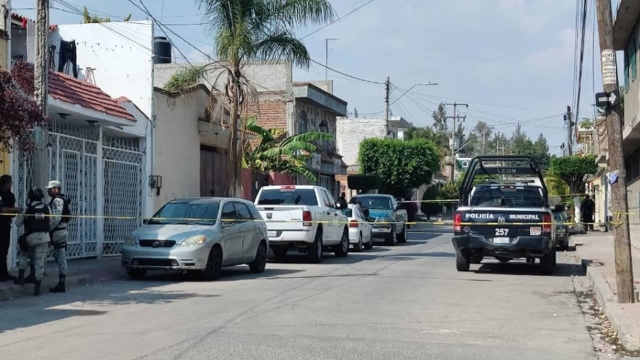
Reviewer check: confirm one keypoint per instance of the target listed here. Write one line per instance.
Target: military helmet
(35, 194)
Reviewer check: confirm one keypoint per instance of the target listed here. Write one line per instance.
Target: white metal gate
(74, 161)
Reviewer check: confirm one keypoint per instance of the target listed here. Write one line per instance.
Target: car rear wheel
(462, 260)
(260, 262)
(402, 238)
(357, 247)
(342, 249)
(136, 274)
(369, 245)
(214, 264)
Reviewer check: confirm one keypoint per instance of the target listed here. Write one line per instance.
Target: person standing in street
(7, 206)
(587, 209)
(59, 234)
(35, 239)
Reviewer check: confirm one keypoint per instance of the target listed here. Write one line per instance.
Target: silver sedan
(200, 235)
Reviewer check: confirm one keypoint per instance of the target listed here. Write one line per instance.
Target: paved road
(406, 302)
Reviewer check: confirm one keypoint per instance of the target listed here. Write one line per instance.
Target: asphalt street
(403, 302)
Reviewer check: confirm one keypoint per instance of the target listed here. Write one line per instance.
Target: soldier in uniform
(60, 209)
(35, 240)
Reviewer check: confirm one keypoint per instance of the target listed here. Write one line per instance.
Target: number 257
(502, 232)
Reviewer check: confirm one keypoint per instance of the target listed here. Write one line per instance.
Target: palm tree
(246, 30)
(286, 156)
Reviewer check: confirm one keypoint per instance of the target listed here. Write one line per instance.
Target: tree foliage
(573, 169)
(250, 30)
(430, 205)
(284, 156)
(89, 19)
(19, 113)
(364, 183)
(402, 165)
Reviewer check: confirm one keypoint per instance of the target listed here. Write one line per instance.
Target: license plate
(272, 233)
(501, 240)
(535, 231)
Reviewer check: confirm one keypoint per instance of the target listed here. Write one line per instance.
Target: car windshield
(558, 216)
(180, 213)
(375, 202)
(288, 197)
(507, 197)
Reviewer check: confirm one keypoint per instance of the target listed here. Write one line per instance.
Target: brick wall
(271, 114)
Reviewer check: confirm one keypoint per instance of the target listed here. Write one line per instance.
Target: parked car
(563, 229)
(390, 220)
(303, 217)
(199, 235)
(359, 228)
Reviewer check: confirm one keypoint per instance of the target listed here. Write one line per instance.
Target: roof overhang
(399, 123)
(312, 94)
(625, 22)
(75, 112)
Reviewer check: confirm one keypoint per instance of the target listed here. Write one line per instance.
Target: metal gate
(74, 161)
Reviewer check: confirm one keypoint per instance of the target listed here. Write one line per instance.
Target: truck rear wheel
(314, 251)
(462, 260)
(548, 263)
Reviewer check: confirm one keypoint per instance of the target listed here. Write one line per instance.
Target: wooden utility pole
(387, 86)
(619, 207)
(41, 134)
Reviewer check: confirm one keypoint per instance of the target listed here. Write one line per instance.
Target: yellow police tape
(434, 222)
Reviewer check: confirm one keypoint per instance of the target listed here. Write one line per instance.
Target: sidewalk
(79, 272)
(596, 251)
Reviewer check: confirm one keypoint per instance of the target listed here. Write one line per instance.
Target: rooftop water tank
(161, 50)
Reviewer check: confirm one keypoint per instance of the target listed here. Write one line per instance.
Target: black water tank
(161, 50)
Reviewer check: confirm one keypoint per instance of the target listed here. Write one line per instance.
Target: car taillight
(546, 226)
(306, 218)
(457, 222)
(353, 223)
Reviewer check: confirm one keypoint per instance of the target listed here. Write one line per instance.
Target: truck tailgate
(282, 217)
(504, 224)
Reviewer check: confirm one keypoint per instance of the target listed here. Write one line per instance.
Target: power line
(345, 74)
(581, 61)
(338, 19)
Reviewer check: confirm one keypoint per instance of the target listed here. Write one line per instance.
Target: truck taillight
(546, 226)
(353, 223)
(457, 222)
(306, 218)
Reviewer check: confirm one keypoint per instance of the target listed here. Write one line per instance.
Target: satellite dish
(355, 112)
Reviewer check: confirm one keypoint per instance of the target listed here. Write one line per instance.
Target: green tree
(282, 157)
(88, 19)
(573, 170)
(450, 191)
(429, 205)
(250, 30)
(402, 165)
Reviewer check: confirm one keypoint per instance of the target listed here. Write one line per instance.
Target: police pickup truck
(505, 219)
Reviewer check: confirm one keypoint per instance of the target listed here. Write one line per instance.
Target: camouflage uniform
(59, 236)
(37, 242)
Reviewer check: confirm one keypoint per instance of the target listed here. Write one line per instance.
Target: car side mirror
(145, 221)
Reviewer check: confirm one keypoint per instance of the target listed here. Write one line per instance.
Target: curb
(16, 291)
(627, 330)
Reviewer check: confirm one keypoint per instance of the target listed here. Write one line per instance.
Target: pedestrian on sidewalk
(587, 209)
(7, 206)
(35, 239)
(59, 235)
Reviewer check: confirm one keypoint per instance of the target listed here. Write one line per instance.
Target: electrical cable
(338, 19)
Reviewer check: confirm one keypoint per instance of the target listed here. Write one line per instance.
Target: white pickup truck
(303, 217)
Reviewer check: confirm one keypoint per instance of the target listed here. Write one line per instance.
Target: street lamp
(404, 93)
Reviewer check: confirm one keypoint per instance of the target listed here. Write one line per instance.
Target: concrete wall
(351, 131)
(120, 53)
(177, 146)
(307, 118)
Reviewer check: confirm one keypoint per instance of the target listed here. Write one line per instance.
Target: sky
(511, 61)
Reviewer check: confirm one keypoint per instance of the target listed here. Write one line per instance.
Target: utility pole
(41, 134)
(484, 136)
(455, 118)
(387, 86)
(5, 32)
(619, 207)
(568, 118)
(326, 57)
